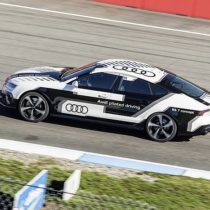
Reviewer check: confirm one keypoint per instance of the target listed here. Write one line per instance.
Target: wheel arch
(36, 91)
(170, 115)
(166, 114)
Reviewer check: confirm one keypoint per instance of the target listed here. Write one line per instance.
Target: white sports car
(116, 90)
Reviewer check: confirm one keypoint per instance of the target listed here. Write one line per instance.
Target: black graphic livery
(114, 90)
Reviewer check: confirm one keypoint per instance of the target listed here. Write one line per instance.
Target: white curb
(40, 149)
(75, 155)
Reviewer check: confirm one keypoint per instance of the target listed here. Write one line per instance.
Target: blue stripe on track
(132, 164)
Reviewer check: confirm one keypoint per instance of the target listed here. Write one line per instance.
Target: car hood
(38, 77)
(46, 71)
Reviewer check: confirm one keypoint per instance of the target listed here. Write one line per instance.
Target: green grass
(166, 193)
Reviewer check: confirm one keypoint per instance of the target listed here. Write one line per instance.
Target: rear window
(177, 83)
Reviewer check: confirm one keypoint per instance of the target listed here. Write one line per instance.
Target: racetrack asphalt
(33, 38)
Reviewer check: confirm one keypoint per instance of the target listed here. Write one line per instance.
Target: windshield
(177, 83)
(76, 72)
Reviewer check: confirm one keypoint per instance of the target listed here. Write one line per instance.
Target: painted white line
(104, 19)
(40, 149)
(194, 173)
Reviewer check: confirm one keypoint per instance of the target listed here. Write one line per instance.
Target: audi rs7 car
(114, 90)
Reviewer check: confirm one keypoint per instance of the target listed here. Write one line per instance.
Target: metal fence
(7, 189)
(82, 200)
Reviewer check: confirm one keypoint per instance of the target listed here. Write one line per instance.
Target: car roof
(132, 68)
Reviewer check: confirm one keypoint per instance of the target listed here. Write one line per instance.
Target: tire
(33, 107)
(161, 127)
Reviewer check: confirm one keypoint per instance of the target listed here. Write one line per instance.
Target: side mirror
(75, 83)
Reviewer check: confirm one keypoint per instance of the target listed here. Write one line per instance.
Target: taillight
(201, 113)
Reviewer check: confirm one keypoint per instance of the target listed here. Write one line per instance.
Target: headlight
(8, 86)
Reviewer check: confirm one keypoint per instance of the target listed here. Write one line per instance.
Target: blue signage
(32, 196)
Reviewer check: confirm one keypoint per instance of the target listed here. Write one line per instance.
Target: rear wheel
(161, 127)
(33, 107)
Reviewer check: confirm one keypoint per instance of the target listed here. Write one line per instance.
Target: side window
(157, 90)
(100, 81)
(137, 86)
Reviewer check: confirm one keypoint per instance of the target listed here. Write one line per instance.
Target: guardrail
(193, 8)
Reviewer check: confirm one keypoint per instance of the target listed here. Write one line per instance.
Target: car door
(138, 95)
(91, 95)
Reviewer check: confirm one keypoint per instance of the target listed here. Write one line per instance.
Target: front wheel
(33, 107)
(161, 127)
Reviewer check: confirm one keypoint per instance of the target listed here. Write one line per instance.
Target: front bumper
(7, 100)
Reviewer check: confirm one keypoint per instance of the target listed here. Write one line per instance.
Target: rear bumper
(7, 100)
(203, 130)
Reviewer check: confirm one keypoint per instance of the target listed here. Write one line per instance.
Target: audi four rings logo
(76, 108)
(135, 70)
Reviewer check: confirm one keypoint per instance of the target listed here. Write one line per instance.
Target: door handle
(102, 96)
